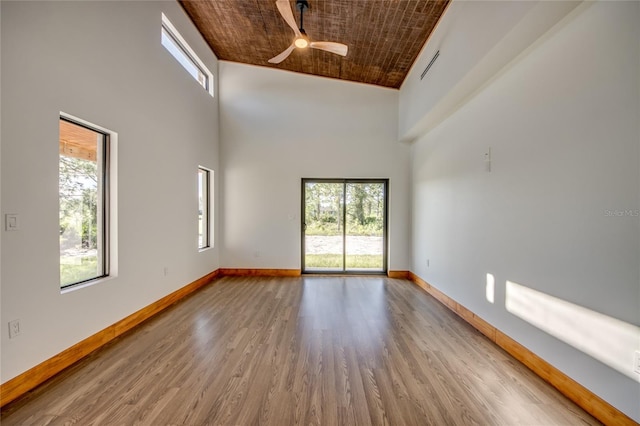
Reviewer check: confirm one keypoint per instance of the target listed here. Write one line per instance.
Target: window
(179, 49)
(83, 193)
(204, 208)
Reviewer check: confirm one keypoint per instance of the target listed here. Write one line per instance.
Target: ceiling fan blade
(285, 10)
(284, 55)
(329, 46)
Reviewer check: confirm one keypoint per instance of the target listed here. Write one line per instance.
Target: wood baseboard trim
(401, 275)
(237, 272)
(583, 397)
(23, 383)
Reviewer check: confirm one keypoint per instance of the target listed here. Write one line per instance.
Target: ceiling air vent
(426, 70)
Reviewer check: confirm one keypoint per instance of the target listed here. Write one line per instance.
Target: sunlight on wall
(606, 339)
(490, 288)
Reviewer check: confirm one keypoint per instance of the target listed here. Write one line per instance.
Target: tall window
(179, 49)
(204, 207)
(83, 200)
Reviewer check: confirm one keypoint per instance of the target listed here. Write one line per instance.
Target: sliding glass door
(344, 225)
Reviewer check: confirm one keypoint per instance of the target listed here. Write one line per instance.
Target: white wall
(563, 126)
(102, 62)
(475, 40)
(278, 127)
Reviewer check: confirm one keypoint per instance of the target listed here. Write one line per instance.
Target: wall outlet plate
(14, 328)
(636, 362)
(11, 222)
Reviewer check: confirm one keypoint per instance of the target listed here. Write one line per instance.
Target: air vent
(426, 70)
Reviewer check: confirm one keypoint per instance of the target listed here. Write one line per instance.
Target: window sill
(87, 284)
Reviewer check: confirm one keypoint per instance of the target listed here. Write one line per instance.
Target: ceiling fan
(302, 41)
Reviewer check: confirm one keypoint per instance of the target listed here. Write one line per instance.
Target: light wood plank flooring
(307, 350)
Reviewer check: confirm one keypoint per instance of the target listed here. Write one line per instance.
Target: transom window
(179, 49)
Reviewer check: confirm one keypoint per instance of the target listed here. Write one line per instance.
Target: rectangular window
(179, 49)
(83, 203)
(204, 208)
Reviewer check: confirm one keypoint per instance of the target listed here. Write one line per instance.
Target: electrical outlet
(14, 328)
(427, 263)
(636, 362)
(166, 271)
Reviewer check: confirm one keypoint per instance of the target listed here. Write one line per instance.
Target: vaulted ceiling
(384, 36)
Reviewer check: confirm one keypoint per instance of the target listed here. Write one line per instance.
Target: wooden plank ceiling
(384, 36)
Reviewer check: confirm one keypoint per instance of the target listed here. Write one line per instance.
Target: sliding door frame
(385, 222)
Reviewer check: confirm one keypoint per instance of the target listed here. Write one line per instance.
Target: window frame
(188, 52)
(207, 202)
(104, 194)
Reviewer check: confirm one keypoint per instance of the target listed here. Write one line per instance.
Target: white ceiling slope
(476, 40)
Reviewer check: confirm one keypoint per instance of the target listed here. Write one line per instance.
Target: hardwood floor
(299, 350)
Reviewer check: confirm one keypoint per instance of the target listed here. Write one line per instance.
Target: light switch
(487, 161)
(11, 222)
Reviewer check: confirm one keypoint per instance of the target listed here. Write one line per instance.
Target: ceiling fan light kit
(301, 41)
